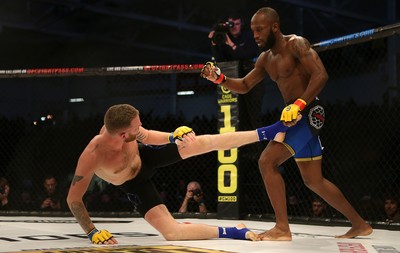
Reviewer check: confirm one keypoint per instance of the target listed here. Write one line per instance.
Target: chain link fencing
(43, 133)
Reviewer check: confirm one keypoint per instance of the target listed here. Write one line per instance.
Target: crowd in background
(39, 181)
(50, 196)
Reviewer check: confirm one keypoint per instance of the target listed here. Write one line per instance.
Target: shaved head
(270, 15)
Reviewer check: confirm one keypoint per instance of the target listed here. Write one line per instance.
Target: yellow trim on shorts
(289, 148)
(307, 159)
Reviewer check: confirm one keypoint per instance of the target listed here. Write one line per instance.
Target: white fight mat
(43, 234)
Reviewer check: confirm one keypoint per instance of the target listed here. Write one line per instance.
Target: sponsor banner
(228, 178)
(121, 70)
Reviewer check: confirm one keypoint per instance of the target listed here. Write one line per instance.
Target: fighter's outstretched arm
(154, 137)
(239, 85)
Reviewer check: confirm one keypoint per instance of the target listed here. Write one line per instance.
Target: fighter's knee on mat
(172, 236)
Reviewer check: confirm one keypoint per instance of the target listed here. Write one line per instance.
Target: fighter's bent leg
(273, 156)
(311, 173)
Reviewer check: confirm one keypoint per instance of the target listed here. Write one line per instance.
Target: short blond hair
(119, 117)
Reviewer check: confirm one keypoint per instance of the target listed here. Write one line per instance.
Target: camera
(197, 193)
(220, 31)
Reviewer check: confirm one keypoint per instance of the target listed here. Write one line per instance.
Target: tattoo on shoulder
(76, 179)
(301, 47)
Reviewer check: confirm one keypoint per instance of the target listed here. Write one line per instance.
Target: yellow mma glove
(291, 111)
(179, 133)
(99, 236)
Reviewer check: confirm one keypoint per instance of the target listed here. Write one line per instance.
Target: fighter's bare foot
(362, 230)
(249, 234)
(276, 234)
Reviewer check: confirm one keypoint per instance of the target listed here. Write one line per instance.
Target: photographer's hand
(188, 196)
(46, 203)
(230, 43)
(210, 35)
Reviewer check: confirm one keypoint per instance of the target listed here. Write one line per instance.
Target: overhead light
(76, 100)
(185, 93)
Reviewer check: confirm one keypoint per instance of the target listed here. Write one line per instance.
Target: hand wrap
(269, 132)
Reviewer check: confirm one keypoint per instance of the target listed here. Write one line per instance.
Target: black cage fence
(47, 120)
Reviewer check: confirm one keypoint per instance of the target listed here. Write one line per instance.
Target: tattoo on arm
(76, 179)
(140, 136)
(81, 215)
(301, 48)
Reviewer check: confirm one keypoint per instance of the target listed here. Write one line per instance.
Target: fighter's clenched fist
(212, 73)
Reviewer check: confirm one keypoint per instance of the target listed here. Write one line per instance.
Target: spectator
(231, 41)
(4, 194)
(27, 201)
(51, 198)
(318, 207)
(295, 205)
(392, 210)
(194, 199)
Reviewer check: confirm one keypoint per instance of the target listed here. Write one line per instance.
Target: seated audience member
(4, 194)
(26, 200)
(50, 198)
(318, 207)
(392, 210)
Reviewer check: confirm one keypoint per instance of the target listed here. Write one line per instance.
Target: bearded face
(270, 41)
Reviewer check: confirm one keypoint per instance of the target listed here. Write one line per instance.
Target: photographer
(231, 41)
(193, 201)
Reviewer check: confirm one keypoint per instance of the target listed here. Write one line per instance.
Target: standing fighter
(116, 156)
(300, 75)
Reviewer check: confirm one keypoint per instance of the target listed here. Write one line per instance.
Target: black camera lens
(197, 192)
(219, 38)
(220, 32)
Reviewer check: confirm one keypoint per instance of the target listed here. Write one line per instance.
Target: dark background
(93, 33)
(361, 133)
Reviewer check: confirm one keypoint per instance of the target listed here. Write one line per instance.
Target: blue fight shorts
(302, 139)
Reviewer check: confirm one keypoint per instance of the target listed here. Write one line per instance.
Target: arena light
(76, 100)
(185, 93)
